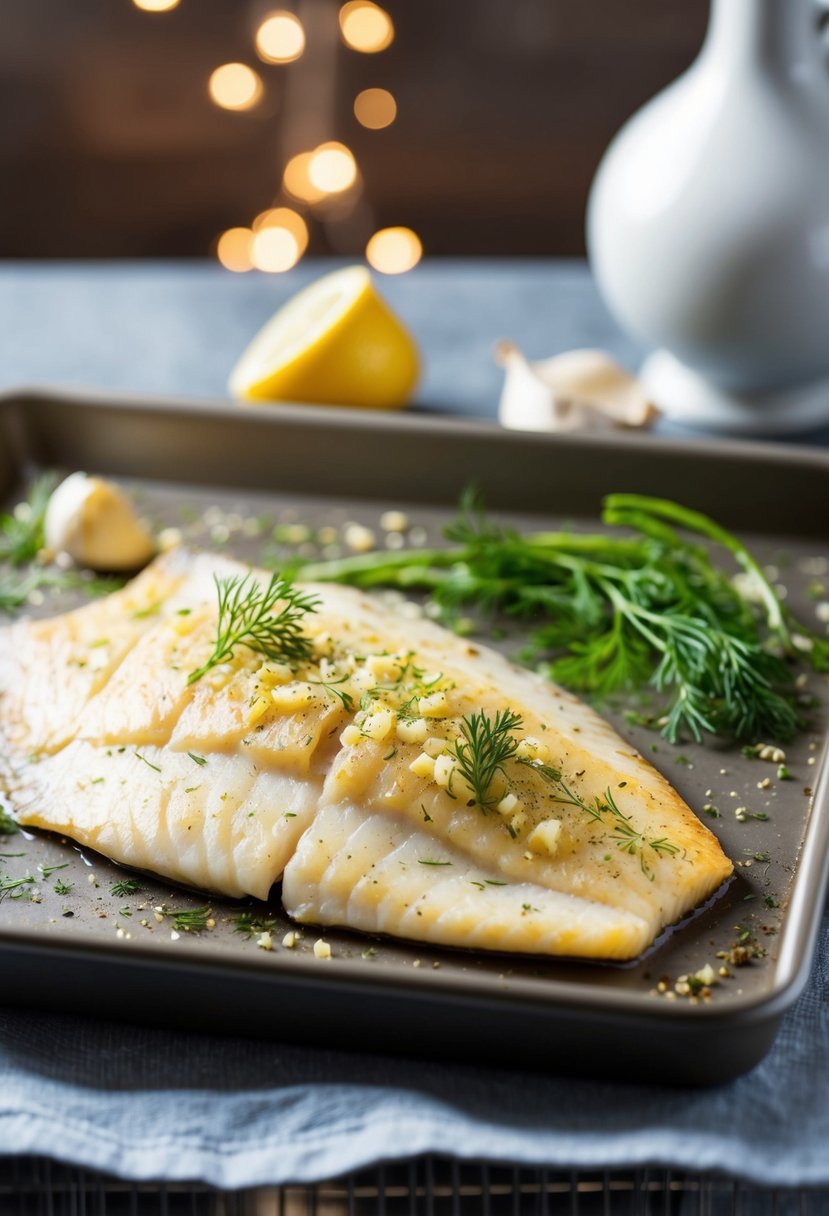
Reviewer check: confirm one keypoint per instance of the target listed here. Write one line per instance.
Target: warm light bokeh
(375, 108)
(297, 182)
(332, 168)
(280, 38)
(233, 249)
(284, 217)
(366, 26)
(156, 6)
(235, 86)
(274, 250)
(394, 250)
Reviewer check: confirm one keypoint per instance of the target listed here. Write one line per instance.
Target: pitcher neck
(769, 35)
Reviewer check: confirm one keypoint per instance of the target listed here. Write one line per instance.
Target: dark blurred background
(111, 144)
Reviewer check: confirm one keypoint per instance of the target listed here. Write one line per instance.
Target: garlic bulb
(578, 390)
(94, 522)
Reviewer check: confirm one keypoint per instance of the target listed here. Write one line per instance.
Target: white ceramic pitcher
(708, 224)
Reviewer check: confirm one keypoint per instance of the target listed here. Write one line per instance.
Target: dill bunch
(612, 612)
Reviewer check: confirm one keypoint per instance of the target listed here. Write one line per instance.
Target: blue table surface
(134, 1101)
(178, 327)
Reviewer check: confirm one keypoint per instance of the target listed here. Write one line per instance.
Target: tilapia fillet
(341, 776)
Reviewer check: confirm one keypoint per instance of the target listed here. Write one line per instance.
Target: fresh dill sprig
(486, 746)
(21, 531)
(267, 621)
(248, 923)
(333, 689)
(188, 920)
(610, 612)
(605, 810)
(124, 886)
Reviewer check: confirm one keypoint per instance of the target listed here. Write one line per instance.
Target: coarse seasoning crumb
(264, 941)
(289, 940)
(321, 948)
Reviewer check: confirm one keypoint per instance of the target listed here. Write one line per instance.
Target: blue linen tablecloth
(151, 1104)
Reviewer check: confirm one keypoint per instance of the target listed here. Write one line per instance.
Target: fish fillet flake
(259, 773)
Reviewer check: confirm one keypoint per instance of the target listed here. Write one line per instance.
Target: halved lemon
(335, 342)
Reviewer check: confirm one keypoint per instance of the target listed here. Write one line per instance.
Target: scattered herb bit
(8, 826)
(248, 616)
(331, 687)
(486, 746)
(248, 923)
(369, 953)
(63, 888)
(45, 871)
(494, 882)
(617, 612)
(391, 754)
(125, 886)
(770, 901)
(148, 763)
(197, 759)
(188, 920)
(11, 884)
(426, 861)
(21, 532)
(783, 773)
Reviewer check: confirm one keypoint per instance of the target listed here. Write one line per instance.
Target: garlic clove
(577, 390)
(95, 523)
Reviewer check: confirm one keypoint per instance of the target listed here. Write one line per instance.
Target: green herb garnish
(248, 616)
(45, 871)
(486, 746)
(615, 612)
(188, 920)
(124, 886)
(21, 532)
(8, 826)
(248, 923)
(63, 888)
(10, 884)
(333, 689)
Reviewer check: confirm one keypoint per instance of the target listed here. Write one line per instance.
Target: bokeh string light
(375, 109)
(394, 250)
(332, 168)
(280, 38)
(274, 249)
(156, 6)
(235, 86)
(366, 27)
(233, 249)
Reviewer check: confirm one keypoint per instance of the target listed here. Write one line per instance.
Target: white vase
(708, 224)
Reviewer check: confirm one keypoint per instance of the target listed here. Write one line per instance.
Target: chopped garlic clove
(95, 523)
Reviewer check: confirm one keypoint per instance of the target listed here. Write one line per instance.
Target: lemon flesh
(335, 342)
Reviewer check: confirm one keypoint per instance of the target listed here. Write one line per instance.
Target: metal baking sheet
(226, 475)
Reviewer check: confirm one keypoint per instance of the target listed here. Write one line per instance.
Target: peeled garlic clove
(578, 390)
(94, 522)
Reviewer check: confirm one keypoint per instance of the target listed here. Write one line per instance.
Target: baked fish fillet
(341, 776)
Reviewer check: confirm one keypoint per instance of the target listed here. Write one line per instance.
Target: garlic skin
(579, 390)
(95, 523)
